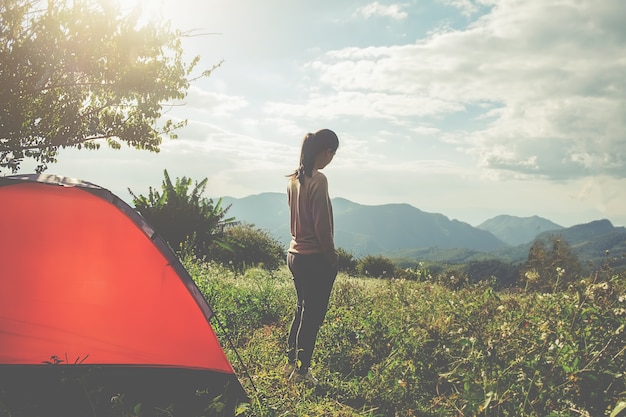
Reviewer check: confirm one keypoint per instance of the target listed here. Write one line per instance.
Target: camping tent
(87, 283)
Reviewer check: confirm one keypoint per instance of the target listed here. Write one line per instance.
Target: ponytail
(312, 145)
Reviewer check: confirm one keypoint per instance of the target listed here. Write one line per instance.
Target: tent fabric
(86, 280)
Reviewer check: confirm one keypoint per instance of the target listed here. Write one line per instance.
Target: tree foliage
(249, 246)
(346, 262)
(551, 265)
(185, 219)
(74, 73)
(376, 266)
(501, 274)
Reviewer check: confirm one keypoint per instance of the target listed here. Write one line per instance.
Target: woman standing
(312, 258)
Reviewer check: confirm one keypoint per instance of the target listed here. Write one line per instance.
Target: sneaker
(306, 377)
(288, 369)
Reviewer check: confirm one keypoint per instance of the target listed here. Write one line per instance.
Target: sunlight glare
(149, 9)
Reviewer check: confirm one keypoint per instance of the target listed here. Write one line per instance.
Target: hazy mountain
(518, 230)
(403, 231)
(594, 242)
(391, 227)
(590, 242)
(268, 211)
(364, 230)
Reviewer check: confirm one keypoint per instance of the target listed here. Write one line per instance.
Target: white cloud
(467, 7)
(246, 152)
(216, 104)
(553, 70)
(374, 105)
(376, 9)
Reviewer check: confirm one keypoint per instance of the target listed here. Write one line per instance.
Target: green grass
(388, 347)
(404, 348)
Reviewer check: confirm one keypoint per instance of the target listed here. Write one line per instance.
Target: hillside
(592, 243)
(403, 232)
(518, 230)
(595, 241)
(365, 230)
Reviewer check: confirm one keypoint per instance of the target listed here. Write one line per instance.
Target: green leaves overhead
(73, 73)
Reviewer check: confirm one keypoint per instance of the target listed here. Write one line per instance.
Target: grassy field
(404, 348)
(388, 347)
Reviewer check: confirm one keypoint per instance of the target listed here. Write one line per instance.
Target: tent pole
(232, 346)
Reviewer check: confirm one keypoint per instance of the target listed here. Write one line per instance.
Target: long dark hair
(312, 145)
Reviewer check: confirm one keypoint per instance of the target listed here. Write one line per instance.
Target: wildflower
(619, 311)
(532, 275)
(500, 307)
(402, 383)
(505, 328)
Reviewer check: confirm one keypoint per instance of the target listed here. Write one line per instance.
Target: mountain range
(402, 231)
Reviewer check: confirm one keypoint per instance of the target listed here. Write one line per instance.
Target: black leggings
(313, 277)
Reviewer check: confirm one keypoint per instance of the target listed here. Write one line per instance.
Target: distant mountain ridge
(365, 230)
(391, 227)
(518, 230)
(403, 231)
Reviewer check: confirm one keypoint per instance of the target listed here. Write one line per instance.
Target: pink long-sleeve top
(312, 229)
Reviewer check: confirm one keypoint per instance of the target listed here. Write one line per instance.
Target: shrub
(420, 272)
(249, 246)
(185, 219)
(551, 266)
(346, 262)
(504, 275)
(376, 266)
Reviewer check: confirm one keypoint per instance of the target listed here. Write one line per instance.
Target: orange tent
(86, 281)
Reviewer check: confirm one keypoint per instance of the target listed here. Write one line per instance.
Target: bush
(346, 262)
(503, 275)
(376, 266)
(186, 220)
(551, 266)
(248, 246)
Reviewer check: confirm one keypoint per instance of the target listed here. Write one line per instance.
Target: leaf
(619, 407)
(241, 409)
(488, 399)
(67, 82)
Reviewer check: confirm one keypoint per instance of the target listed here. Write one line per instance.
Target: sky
(468, 108)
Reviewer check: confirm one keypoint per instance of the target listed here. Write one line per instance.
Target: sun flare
(149, 9)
